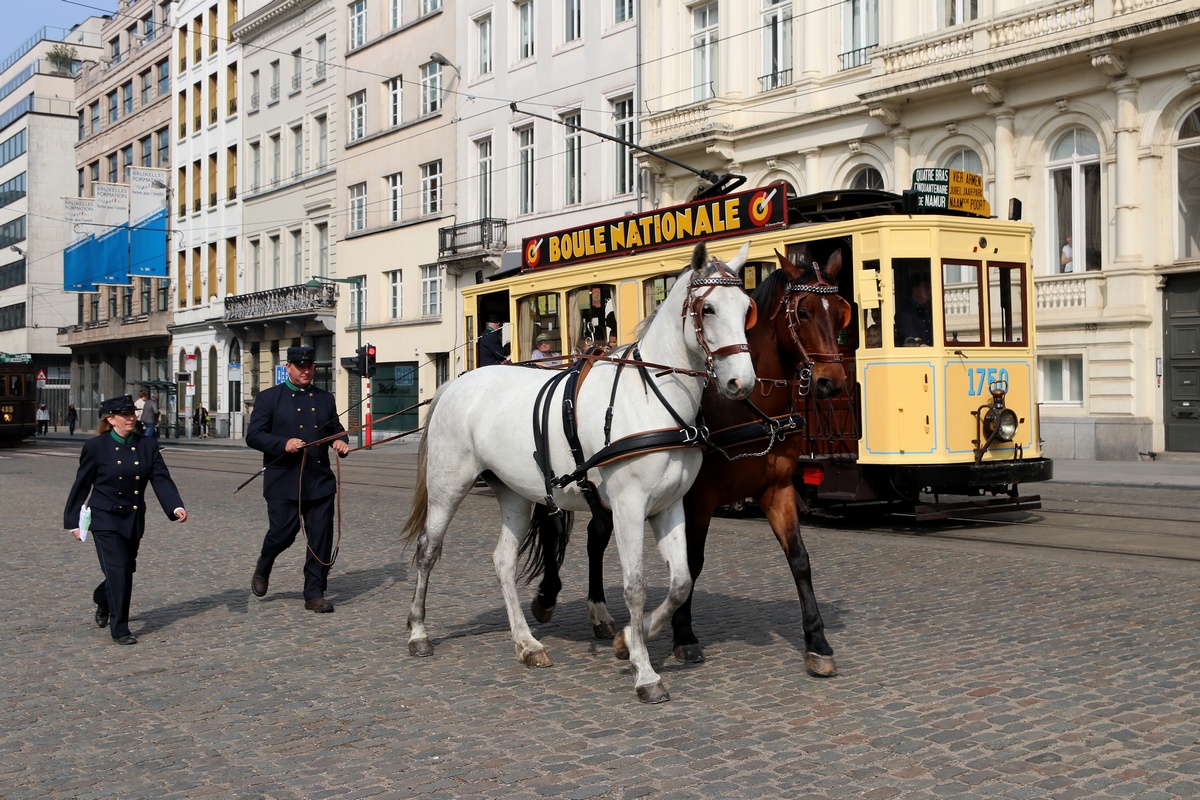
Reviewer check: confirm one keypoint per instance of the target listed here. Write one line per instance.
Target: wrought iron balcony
(282, 302)
(469, 238)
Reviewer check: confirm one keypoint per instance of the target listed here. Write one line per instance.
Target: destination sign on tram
(941, 189)
(717, 217)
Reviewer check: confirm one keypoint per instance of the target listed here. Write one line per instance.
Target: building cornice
(279, 11)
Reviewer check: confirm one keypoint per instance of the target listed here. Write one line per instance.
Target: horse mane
(764, 294)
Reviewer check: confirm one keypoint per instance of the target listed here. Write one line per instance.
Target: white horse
(482, 425)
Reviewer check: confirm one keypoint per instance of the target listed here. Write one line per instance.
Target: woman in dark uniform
(114, 469)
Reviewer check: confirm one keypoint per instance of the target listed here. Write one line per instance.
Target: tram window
(593, 318)
(755, 272)
(961, 309)
(1006, 303)
(657, 290)
(874, 331)
(914, 309)
(537, 315)
(14, 386)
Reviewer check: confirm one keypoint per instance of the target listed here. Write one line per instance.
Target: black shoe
(258, 585)
(319, 605)
(126, 639)
(101, 617)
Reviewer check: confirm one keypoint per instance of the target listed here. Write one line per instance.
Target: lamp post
(314, 285)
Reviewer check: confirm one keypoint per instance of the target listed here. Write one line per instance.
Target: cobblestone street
(965, 671)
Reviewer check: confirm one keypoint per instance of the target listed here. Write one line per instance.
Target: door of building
(1181, 367)
(393, 388)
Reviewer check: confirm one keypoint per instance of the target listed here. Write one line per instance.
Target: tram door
(1181, 370)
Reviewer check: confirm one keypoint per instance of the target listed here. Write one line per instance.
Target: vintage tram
(18, 399)
(939, 415)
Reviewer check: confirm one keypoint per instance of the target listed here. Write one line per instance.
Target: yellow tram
(939, 414)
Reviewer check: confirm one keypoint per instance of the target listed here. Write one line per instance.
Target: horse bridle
(790, 305)
(693, 306)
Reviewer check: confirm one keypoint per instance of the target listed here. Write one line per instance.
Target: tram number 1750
(980, 378)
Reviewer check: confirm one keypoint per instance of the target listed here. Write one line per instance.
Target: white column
(1126, 193)
(1005, 160)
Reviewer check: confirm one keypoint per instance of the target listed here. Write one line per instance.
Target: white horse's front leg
(628, 527)
(670, 533)
(515, 515)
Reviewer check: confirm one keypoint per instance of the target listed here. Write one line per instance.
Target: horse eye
(801, 313)
(709, 310)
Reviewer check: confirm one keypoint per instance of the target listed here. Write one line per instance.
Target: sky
(23, 18)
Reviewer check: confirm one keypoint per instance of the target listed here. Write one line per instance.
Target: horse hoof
(536, 658)
(689, 653)
(820, 666)
(604, 630)
(540, 612)
(420, 647)
(654, 694)
(621, 649)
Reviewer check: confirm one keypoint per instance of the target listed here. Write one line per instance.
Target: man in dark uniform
(914, 318)
(492, 349)
(114, 469)
(286, 417)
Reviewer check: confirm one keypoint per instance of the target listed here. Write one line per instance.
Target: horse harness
(684, 435)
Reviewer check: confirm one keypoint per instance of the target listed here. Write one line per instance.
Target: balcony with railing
(703, 118)
(472, 243)
(287, 301)
(1027, 26)
(775, 80)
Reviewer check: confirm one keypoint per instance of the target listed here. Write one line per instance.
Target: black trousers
(284, 516)
(118, 562)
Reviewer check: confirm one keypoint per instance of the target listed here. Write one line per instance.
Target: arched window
(1188, 155)
(1075, 202)
(867, 178)
(965, 159)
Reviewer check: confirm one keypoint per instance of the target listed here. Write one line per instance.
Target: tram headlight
(1000, 424)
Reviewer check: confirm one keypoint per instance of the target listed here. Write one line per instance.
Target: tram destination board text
(939, 189)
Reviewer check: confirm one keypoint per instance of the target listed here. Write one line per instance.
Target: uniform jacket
(116, 476)
(281, 413)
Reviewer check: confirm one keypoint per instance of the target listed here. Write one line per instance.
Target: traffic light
(370, 360)
(360, 361)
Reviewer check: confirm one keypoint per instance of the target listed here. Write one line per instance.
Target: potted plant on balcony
(61, 58)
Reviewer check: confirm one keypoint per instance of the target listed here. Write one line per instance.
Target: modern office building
(38, 131)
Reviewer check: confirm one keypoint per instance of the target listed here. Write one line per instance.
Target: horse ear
(834, 265)
(789, 269)
(739, 261)
(699, 257)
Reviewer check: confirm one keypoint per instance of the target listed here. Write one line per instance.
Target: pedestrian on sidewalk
(297, 484)
(114, 468)
(43, 420)
(72, 417)
(200, 421)
(149, 416)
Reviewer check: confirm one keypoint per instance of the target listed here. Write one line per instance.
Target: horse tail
(546, 538)
(419, 514)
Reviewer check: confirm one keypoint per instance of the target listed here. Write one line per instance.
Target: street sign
(941, 189)
(15, 358)
(280, 374)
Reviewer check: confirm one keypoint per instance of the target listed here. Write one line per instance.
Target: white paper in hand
(85, 522)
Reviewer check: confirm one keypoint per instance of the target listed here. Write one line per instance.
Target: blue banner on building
(147, 222)
(112, 241)
(79, 252)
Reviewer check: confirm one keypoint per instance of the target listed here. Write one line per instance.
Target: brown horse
(795, 351)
